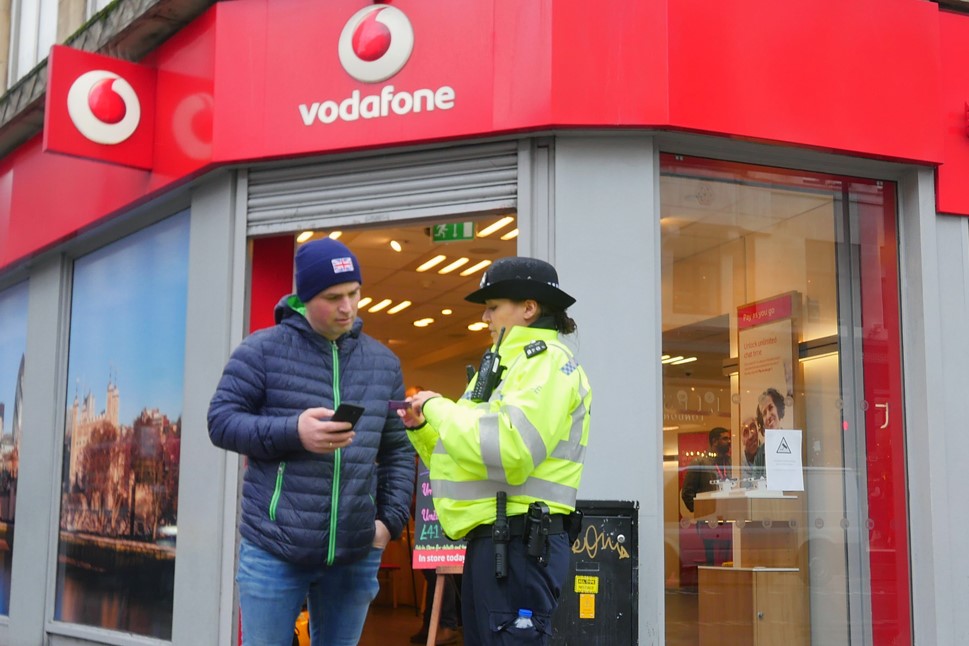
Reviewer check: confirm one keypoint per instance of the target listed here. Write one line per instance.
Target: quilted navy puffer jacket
(303, 507)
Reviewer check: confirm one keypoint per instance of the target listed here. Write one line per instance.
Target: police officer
(506, 459)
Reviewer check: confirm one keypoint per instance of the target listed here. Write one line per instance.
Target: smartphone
(347, 413)
(397, 404)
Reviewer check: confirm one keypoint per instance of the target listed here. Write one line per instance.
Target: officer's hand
(319, 435)
(414, 415)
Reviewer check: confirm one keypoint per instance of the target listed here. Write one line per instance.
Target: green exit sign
(452, 231)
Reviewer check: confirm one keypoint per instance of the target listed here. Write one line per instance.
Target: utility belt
(516, 527)
(533, 528)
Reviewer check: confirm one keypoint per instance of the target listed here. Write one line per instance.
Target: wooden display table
(752, 606)
(762, 600)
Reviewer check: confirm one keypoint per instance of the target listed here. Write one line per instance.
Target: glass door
(785, 496)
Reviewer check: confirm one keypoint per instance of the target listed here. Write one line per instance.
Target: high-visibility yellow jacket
(528, 440)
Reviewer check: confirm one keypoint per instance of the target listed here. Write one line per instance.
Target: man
(320, 499)
(699, 476)
(713, 466)
(513, 446)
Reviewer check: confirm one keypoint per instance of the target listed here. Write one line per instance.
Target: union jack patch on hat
(342, 265)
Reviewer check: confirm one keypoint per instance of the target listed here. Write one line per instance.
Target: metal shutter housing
(406, 185)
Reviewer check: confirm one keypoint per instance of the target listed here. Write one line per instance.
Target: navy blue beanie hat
(323, 263)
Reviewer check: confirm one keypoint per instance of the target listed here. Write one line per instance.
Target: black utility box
(600, 598)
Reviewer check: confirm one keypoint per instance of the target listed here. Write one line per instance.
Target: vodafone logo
(103, 107)
(376, 43)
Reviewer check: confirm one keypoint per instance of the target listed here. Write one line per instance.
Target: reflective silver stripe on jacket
(484, 489)
(491, 444)
(482, 406)
(572, 449)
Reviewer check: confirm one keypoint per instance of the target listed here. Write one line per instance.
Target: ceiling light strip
(473, 268)
(403, 305)
(488, 230)
(433, 262)
(460, 262)
(381, 305)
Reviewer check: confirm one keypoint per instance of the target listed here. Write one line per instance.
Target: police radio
(489, 373)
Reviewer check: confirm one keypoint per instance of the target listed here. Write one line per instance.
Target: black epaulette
(535, 348)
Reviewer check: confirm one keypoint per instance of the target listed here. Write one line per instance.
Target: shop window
(13, 348)
(785, 517)
(119, 485)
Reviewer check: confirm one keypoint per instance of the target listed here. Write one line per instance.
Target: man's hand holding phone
(322, 430)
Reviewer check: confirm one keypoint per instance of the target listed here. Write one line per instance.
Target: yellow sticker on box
(587, 606)
(588, 584)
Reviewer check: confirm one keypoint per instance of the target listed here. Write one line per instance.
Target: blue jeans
(272, 592)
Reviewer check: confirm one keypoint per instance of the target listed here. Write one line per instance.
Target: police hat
(519, 278)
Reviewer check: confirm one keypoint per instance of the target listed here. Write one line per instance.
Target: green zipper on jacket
(277, 491)
(297, 306)
(335, 492)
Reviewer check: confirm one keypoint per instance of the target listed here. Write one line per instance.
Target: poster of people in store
(122, 435)
(13, 348)
(767, 365)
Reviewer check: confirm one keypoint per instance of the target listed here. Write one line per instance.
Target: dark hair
(561, 322)
(778, 404)
(564, 323)
(715, 434)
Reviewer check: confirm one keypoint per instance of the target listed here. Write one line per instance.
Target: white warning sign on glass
(782, 453)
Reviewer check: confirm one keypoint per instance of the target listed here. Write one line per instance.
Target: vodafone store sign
(100, 108)
(375, 44)
(103, 107)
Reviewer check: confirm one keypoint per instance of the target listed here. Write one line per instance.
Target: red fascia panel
(862, 77)
(186, 101)
(6, 201)
(952, 177)
(521, 76)
(609, 64)
(859, 77)
(48, 198)
(39, 192)
(241, 75)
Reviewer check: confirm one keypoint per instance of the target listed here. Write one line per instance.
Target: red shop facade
(655, 120)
